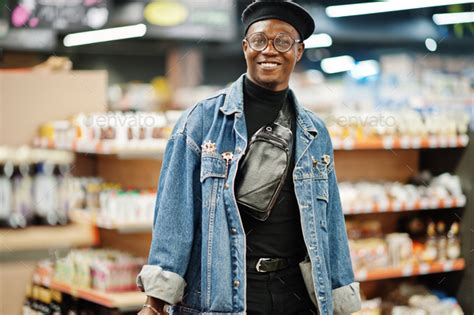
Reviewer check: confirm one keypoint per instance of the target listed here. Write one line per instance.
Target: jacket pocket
(212, 166)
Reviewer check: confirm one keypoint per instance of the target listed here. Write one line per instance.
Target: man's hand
(156, 303)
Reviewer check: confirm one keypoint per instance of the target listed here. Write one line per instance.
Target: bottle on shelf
(22, 212)
(431, 246)
(6, 190)
(65, 191)
(453, 250)
(441, 240)
(56, 301)
(27, 307)
(46, 194)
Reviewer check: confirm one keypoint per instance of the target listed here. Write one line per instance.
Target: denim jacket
(198, 251)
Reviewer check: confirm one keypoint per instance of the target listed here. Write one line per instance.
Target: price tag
(453, 141)
(106, 148)
(434, 203)
(361, 275)
(463, 140)
(424, 269)
(461, 201)
(388, 142)
(424, 204)
(448, 265)
(396, 205)
(383, 205)
(407, 270)
(348, 144)
(448, 202)
(432, 142)
(410, 205)
(416, 142)
(443, 141)
(405, 142)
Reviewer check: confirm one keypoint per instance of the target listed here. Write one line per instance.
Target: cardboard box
(28, 99)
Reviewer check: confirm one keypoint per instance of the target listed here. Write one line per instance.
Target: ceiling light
(318, 41)
(431, 44)
(365, 68)
(386, 6)
(337, 64)
(453, 18)
(105, 35)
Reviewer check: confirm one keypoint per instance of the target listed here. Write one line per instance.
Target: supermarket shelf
(86, 217)
(158, 146)
(122, 301)
(47, 237)
(387, 143)
(395, 206)
(131, 149)
(410, 270)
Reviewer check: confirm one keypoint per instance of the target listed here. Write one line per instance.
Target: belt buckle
(259, 262)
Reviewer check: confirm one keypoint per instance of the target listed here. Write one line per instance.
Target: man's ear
(244, 45)
(300, 51)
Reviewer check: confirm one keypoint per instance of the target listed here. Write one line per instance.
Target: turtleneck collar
(260, 95)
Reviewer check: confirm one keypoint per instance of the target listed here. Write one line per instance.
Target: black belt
(271, 264)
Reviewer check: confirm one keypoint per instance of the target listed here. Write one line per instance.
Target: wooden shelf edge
(418, 205)
(81, 216)
(411, 270)
(106, 148)
(47, 237)
(120, 300)
(403, 142)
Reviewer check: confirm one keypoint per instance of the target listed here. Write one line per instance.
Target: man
(209, 252)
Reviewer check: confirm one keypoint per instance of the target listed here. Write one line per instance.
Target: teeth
(269, 64)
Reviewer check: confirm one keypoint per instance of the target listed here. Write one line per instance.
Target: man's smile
(269, 65)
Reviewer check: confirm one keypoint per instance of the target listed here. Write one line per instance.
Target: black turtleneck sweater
(280, 235)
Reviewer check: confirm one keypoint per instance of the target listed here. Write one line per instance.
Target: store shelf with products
(103, 276)
(153, 148)
(422, 192)
(416, 205)
(410, 270)
(404, 142)
(158, 145)
(409, 298)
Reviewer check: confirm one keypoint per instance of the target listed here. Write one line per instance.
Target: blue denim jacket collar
(234, 103)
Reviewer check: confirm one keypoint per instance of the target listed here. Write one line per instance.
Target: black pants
(278, 292)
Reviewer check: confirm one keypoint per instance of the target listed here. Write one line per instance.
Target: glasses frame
(246, 38)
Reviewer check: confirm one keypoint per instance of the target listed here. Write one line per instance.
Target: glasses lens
(258, 41)
(283, 42)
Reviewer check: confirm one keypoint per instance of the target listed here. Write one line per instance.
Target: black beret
(284, 10)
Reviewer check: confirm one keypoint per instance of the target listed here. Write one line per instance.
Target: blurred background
(89, 93)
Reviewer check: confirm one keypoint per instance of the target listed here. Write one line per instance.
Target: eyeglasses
(282, 42)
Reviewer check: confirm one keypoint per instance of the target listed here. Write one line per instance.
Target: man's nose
(270, 49)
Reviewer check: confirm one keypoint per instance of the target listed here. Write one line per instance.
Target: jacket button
(236, 283)
(233, 230)
(226, 185)
(238, 150)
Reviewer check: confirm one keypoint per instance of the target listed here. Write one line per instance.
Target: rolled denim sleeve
(345, 292)
(176, 210)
